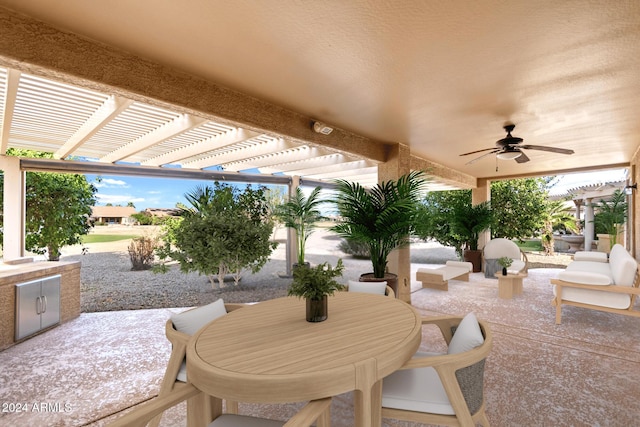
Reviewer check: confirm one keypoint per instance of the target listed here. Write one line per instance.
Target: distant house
(113, 215)
(162, 212)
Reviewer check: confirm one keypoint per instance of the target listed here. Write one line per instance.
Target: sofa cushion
(594, 297)
(623, 266)
(590, 256)
(590, 267)
(585, 277)
(467, 336)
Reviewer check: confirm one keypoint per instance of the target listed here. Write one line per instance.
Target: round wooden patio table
(269, 353)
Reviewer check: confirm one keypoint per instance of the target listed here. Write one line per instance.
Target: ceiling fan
(508, 148)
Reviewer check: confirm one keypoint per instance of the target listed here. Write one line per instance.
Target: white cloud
(111, 183)
(117, 199)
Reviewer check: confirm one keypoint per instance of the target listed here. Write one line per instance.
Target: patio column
(14, 208)
(399, 261)
(481, 194)
(292, 242)
(589, 229)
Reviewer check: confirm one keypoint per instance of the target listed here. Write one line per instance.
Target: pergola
(217, 90)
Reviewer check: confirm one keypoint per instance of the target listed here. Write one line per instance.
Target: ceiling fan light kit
(509, 155)
(508, 148)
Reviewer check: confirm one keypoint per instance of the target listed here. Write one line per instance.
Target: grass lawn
(530, 246)
(102, 238)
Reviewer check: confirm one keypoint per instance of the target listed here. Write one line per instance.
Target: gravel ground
(108, 283)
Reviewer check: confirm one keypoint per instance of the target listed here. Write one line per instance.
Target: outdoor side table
(509, 285)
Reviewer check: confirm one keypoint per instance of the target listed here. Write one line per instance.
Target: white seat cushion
(590, 267)
(191, 321)
(517, 266)
(586, 278)
(418, 389)
(594, 297)
(368, 287)
(231, 420)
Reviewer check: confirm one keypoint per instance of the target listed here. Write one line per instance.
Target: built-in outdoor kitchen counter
(37, 296)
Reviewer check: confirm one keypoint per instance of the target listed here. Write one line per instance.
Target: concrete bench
(438, 278)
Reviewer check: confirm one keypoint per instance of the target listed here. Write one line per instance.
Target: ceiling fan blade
(522, 158)
(478, 151)
(551, 149)
(495, 150)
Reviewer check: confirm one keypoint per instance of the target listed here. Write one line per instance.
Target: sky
(165, 193)
(144, 192)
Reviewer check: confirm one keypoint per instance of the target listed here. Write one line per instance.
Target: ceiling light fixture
(320, 127)
(509, 155)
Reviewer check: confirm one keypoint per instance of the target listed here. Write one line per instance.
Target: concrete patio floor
(584, 372)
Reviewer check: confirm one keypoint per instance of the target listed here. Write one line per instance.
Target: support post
(399, 261)
(589, 229)
(14, 209)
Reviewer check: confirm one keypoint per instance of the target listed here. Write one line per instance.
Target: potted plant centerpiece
(315, 284)
(505, 262)
(301, 214)
(381, 218)
(468, 221)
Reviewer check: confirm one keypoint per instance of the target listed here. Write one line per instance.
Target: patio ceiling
(439, 77)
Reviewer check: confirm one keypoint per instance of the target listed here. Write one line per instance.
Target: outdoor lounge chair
(498, 248)
(139, 417)
(444, 389)
(179, 329)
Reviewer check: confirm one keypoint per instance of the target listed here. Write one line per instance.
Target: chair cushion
(232, 420)
(467, 336)
(182, 373)
(418, 389)
(499, 247)
(191, 321)
(368, 287)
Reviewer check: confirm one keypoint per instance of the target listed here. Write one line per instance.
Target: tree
(519, 206)
(434, 217)
(556, 216)
(58, 207)
(221, 231)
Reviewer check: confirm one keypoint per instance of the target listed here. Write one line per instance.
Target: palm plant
(301, 213)
(469, 221)
(556, 215)
(611, 215)
(381, 218)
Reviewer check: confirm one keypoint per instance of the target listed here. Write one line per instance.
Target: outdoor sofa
(594, 281)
